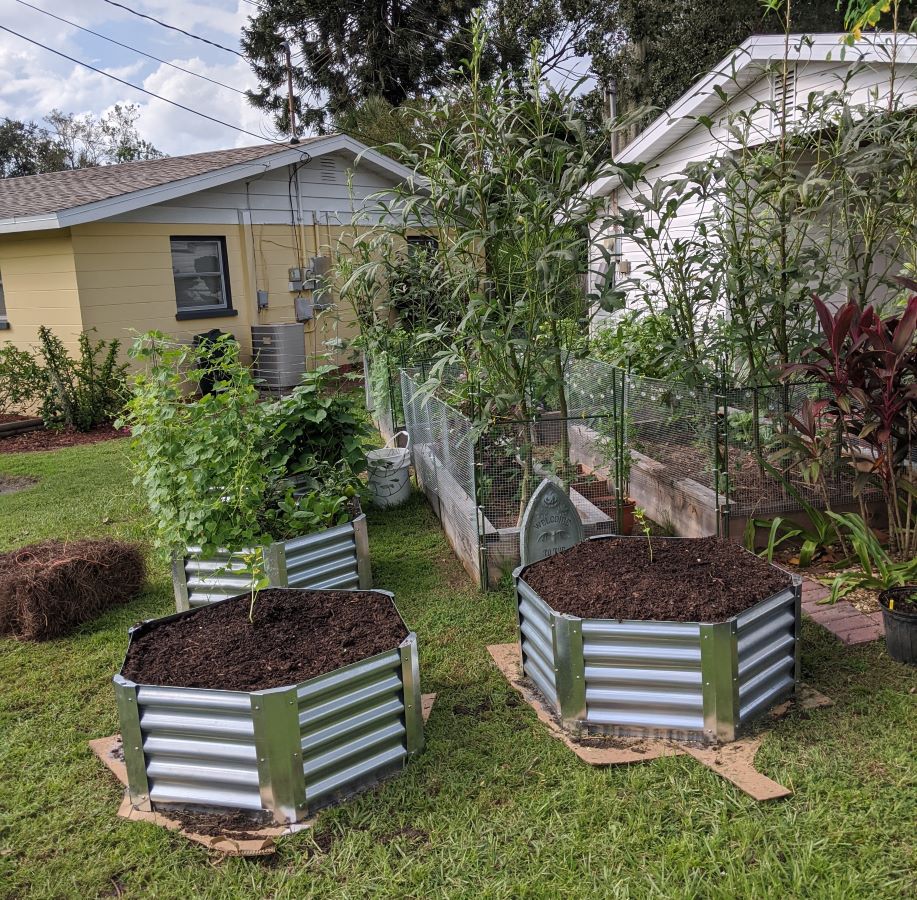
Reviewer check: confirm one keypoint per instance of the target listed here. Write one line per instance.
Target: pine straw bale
(47, 589)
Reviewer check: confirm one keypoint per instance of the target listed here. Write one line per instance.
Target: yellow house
(228, 239)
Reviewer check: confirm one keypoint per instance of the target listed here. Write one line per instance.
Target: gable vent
(328, 170)
(783, 91)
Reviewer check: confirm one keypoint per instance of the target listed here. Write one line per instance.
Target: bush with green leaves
(79, 393)
(23, 381)
(83, 392)
(208, 467)
(315, 425)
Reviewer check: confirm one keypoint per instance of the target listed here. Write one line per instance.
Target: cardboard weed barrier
(227, 832)
(47, 589)
(733, 761)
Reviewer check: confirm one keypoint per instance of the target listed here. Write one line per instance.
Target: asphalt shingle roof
(32, 195)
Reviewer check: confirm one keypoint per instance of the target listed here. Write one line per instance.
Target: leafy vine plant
(228, 473)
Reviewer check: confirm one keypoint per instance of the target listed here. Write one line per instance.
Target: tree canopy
(72, 142)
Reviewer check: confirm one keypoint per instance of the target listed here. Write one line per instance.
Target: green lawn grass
(494, 807)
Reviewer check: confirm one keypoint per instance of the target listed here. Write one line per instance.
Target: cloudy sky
(33, 81)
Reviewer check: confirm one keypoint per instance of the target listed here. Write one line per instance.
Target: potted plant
(895, 579)
(687, 638)
(233, 483)
(316, 695)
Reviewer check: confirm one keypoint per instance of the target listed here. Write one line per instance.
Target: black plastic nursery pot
(899, 615)
(288, 750)
(692, 681)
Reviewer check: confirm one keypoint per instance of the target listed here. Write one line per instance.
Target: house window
(4, 322)
(201, 277)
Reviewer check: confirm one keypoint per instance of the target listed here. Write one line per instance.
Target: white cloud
(33, 81)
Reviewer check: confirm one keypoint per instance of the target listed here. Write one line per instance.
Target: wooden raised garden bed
(316, 699)
(688, 646)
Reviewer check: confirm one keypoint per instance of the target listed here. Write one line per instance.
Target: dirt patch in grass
(296, 635)
(687, 579)
(11, 484)
(47, 589)
(55, 439)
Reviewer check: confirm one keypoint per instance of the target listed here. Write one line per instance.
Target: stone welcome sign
(550, 524)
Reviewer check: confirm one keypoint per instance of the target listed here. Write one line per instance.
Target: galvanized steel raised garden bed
(690, 681)
(334, 559)
(289, 750)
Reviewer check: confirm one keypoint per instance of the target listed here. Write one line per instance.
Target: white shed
(694, 127)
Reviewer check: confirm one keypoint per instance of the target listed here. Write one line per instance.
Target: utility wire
(143, 90)
(196, 37)
(165, 62)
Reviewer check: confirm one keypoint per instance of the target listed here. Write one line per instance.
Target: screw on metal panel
(136, 748)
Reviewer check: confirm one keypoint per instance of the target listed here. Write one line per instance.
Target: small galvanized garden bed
(336, 558)
(689, 681)
(289, 750)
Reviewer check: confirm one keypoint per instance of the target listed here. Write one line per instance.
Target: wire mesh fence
(700, 460)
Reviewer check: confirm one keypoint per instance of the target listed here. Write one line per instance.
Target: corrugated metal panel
(766, 636)
(537, 641)
(327, 560)
(199, 747)
(352, 726)
(323, 561)
(643, 675)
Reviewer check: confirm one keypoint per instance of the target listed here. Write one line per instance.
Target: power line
(196, 37)
(143, 90)
(165, 62)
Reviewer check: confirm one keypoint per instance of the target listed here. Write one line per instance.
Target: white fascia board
(735, 72)
(29, 223)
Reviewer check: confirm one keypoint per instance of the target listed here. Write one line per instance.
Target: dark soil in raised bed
(54, 439)
(688, 580)
(296, 635)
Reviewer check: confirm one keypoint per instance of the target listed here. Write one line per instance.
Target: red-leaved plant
(869, 363)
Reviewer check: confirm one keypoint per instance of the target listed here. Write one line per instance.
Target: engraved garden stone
(550, 523)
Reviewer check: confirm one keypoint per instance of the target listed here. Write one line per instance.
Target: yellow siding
(40, 286)
(124, 272)
(116, 277)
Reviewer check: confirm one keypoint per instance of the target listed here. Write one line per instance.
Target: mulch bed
(48, 589)
(5, 418)
(54, 439)
(296, 635)
(688, 580)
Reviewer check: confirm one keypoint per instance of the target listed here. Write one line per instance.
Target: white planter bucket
(389, 474)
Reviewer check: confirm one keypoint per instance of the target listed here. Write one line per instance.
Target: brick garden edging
(842, 619)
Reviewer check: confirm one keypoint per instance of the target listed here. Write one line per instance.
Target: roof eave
(702, 97)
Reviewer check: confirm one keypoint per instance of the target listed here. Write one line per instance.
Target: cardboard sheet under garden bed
(734, 761)
(252, 841)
